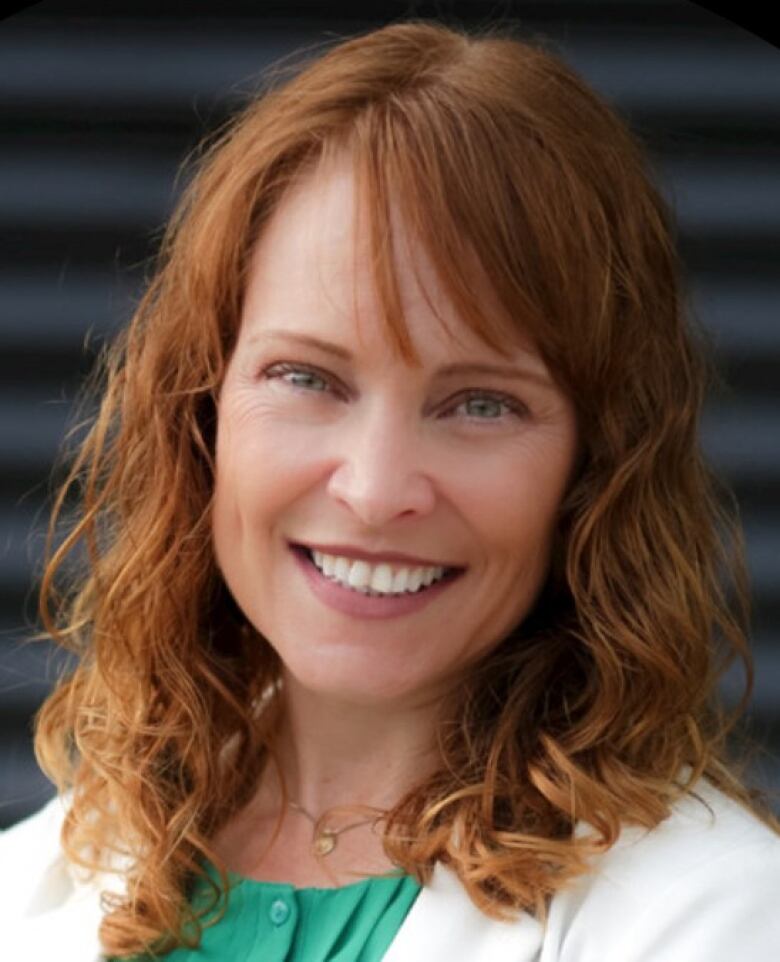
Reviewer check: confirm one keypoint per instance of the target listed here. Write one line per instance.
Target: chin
(359, 684)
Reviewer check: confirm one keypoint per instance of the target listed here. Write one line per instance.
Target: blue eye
(492, 401)
(280, 370)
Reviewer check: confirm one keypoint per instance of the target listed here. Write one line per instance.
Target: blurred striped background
(97, 111)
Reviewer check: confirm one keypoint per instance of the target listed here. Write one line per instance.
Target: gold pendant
(324, 843)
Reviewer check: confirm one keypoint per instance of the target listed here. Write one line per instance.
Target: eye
(301, 374)
(492, 401)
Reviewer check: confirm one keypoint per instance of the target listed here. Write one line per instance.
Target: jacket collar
(444, 924)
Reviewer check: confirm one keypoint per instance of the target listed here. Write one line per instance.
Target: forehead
(314, 269)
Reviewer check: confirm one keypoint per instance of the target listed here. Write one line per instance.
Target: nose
(382, 473)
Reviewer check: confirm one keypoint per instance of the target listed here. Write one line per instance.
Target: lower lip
(350, 602)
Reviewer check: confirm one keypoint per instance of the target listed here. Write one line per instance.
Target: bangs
(420, 182)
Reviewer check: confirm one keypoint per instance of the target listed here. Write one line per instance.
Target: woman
(404, 605)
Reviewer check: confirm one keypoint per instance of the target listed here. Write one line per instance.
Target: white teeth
(382, 579)
(376, 579)
(359, 575)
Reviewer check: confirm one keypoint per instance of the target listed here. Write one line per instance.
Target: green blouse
(277, 922)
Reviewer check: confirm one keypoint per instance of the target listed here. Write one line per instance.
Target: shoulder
(701, 885)
(30, 850)
(31, 847)
(47, 905)
(39, 878)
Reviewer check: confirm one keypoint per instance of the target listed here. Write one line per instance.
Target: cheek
(513, 500)
(260, 468)
(512, 508)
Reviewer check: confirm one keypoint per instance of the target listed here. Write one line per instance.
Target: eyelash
(516, 407)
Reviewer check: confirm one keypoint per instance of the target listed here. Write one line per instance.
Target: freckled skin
(378, 453)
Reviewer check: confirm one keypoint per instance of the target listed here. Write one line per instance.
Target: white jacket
(695, 889)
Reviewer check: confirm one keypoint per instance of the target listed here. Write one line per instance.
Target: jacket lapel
(444, 925)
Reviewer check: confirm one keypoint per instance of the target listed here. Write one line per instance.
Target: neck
(335, 753)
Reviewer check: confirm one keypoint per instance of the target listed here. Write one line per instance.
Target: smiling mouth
(450, 574)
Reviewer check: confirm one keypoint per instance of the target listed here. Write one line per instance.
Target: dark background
(99, 108)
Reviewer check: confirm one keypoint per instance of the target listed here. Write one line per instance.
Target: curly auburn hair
(597, 702)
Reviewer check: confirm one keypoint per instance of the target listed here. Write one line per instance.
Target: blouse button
(279, 912)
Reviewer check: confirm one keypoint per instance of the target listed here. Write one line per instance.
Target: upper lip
(375, 557)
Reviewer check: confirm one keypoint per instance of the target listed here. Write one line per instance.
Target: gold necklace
(324, 838)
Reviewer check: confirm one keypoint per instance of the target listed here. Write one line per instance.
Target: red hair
(502, 158)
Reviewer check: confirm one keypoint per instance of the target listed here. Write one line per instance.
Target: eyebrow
(446, 370)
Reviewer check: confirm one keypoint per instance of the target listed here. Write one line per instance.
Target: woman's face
(325, 438)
